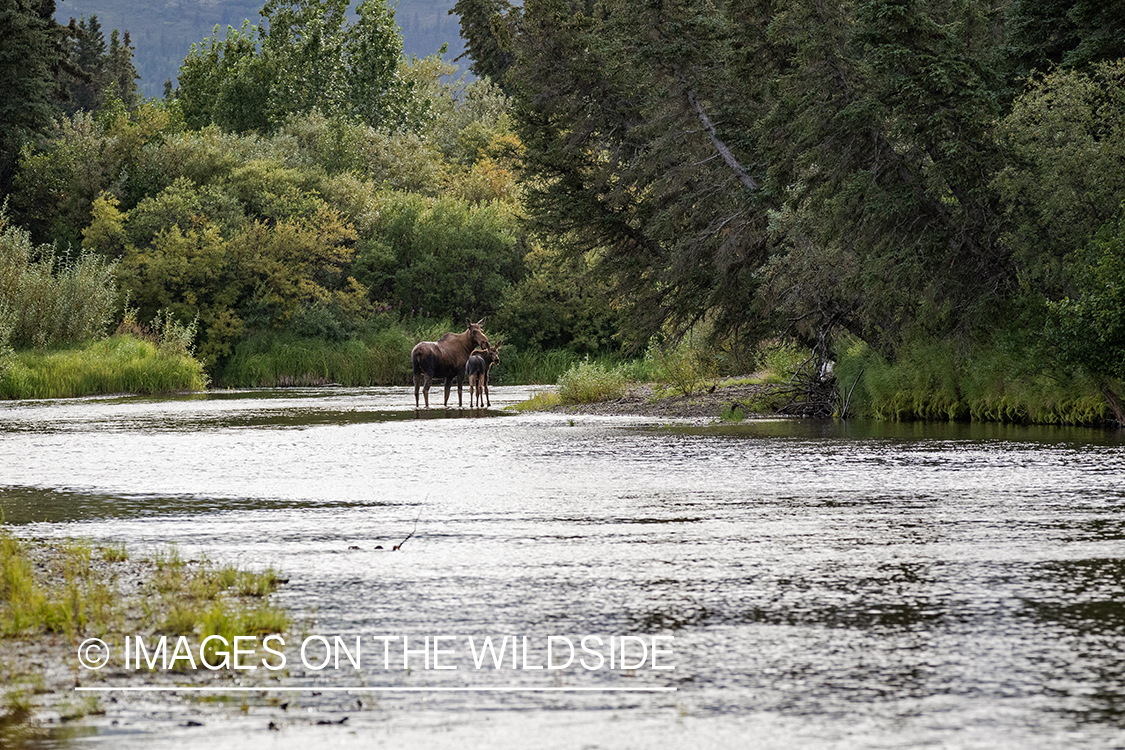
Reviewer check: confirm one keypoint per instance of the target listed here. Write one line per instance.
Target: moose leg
(484, 384)
(426, 388)
(417, 383)
(448, 385)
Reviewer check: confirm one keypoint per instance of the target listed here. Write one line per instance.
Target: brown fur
(477, 367)
(445, 358)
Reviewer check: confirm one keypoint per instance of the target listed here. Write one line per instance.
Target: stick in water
(399, 545)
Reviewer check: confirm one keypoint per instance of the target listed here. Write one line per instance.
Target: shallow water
(827, 584)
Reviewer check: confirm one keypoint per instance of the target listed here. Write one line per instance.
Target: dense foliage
(894, 172)
(304, 55)
(881, 168)
(46, 301)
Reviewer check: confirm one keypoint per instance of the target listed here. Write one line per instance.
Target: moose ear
(481, 321)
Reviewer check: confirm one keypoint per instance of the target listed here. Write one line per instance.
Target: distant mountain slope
(163, 31)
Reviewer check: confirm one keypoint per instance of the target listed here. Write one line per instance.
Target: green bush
(439, 256)
(780, 359)
(1087, 330)
(588, 382)
(559, 305)
(44, 303)
(686, 366)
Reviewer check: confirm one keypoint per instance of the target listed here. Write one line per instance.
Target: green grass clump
(77, 602)
(23, 602)
(733, 414)
(588, 382)
(206, 599)
(119, 364)
(114, 553)
(540, 401)
(179, 597)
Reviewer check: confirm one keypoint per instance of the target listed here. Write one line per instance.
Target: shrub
(44, 303)
(686, 366)
(780, 359)
(588, 382)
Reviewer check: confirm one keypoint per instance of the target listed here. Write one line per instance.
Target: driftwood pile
(813, 390)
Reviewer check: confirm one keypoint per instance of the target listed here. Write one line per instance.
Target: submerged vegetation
(76, 589)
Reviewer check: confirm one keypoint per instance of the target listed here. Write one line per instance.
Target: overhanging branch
(721, 147)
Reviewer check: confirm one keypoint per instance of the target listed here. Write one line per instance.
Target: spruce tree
(32, 63)
(483, 27)
(89, 55)
(120, 74)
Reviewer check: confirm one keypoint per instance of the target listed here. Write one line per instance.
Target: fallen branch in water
(399, 545)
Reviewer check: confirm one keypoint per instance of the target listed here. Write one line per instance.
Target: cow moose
(445, 358)
(476, 370)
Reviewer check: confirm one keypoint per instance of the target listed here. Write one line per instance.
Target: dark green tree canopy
(34, 67)
(486, 27)
(103, 70)
(826, 163)
(1067, 33)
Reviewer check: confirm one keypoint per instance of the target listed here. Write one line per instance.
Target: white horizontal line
(502, 689)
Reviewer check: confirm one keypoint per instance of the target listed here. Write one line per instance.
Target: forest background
(927, 195)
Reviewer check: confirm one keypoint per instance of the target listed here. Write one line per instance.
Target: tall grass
(119, 364)
(938, 380)
(283, 359)
(533, 366)
(78, 601)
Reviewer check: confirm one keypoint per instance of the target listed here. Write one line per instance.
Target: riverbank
(732, 399)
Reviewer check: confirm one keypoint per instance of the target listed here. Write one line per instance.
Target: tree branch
(721, 147)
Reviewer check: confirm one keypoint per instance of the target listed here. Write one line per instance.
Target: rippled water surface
(828, 584)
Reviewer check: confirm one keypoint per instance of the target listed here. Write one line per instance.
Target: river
(786, 583)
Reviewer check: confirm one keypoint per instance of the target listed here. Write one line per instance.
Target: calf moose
(476, 368)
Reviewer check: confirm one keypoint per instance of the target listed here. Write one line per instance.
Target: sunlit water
(827, 584)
